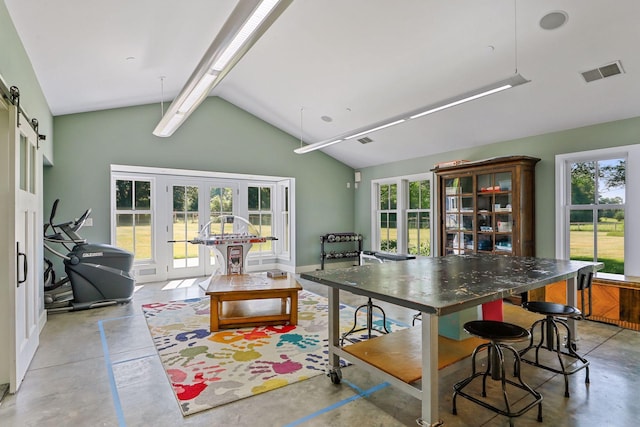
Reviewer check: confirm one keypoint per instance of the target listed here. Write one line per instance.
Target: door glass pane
(466, 184)
(503, 243)
(220, 201)
(186, 221)
(23, 162)
(485, 182)
(179, 233)
(452, 221)
(285, 221)
(502, 203)
(32, 169)
(503, 180)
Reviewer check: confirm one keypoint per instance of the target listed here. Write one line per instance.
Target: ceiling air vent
(365, 140)
(604, 71)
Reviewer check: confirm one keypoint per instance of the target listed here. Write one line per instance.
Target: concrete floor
(100, 368)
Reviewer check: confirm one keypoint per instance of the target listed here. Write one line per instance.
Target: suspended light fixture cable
(515, 32)
(161, 96)
(301, 110)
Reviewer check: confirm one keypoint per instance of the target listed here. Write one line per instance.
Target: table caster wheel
(335, 375)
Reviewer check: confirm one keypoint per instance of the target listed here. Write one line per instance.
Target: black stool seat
(498, 334)
(496, 331)
(550, 339)
(552, 309)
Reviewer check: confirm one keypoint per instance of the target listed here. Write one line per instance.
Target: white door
(28, 241)
(186, 259)
(193, 204)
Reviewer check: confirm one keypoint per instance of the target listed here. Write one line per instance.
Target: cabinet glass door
(494, 215)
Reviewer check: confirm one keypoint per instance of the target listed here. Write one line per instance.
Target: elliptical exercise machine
(97, 274)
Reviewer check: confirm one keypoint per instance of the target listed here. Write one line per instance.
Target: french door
(27, 188)
(193, 204)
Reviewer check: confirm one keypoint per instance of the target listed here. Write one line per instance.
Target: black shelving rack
(348, 246)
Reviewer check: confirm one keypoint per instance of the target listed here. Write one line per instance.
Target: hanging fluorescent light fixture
(515, 80)
(247, 23)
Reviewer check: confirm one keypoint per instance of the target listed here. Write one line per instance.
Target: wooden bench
(233, 300)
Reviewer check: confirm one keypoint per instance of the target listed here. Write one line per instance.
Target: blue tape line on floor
(112, 379)
(336, 405)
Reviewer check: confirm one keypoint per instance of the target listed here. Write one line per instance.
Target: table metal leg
(429, 371)
(572, 300)
(333, 368)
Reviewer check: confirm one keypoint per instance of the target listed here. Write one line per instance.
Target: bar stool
(377, 257)
(368, 307)
(499, 334)
(550, 339)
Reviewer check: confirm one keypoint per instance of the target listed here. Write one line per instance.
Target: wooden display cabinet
(487, 206)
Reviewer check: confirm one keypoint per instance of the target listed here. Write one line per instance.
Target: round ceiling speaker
(553, 20)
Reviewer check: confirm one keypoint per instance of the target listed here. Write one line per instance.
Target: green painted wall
(545, 147)
(217, 137)
(16, 70)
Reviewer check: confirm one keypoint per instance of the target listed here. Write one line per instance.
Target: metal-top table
(435, 287)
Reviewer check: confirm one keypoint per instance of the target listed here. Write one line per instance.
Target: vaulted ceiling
(326, 67)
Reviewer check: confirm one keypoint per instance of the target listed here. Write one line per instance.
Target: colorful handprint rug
(212, 369)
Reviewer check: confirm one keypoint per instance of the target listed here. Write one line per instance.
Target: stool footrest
(368, 307)
(550, 340)
(537, 397)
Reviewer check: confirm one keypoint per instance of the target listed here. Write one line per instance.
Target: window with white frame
(401, 218)
(595, 199)
(387, 217)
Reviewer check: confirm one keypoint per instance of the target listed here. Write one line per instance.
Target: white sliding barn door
(27, 188)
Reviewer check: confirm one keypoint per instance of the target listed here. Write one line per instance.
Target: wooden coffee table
(233, 300)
